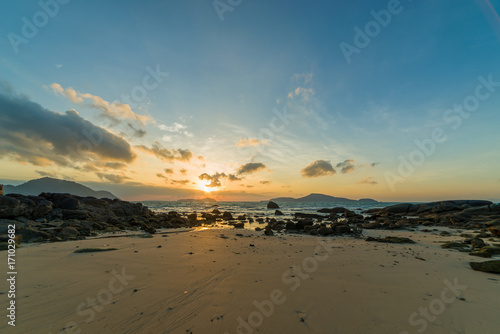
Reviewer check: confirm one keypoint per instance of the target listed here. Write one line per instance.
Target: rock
(495, 230)
(69, 233)
(324, 231)
(272, 205)
(477, 243)
(242, 217)
(278, 213)
(309, 215)
(491, 250)
(4, 225)
(216, 212)
(480, 254)
(150, 230)
(33, 235)
(332, 210)
(456, 245)
(258, 229)
(301, 224)
(227, 216)
(10, 207)
(192, 217)
(69, 203)
(290, 225)
(268, 231)
(392, 240)
(371, 226)
(487, 266)
(342, 229)
(239, 225)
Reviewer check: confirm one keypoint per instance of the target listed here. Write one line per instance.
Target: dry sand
(198, 282)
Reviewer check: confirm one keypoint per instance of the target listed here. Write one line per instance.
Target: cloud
(165, 154)
(215, 179)
(368, 180)
(183, 171)
(115, 165)
(44, 174)
(318, 168)
(181, 182)
(161, 176)
(347, 166)
(114, 111)
(233, 177)
(169, 171)
(265, 182)
(112, 177)
(174, 128)
(249, 142)
(35, 135)
(250, 168)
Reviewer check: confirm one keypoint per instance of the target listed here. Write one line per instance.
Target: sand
(198, 282)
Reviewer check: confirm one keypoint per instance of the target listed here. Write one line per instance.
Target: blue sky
(225, 78)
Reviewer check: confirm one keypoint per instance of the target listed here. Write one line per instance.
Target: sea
(258, 209)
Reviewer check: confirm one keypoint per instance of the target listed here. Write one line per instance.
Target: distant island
(51, 185)
(323, 198)
(201, 200)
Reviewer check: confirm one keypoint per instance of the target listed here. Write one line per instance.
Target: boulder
(487, 266)
(272, 205)
(278, 213)
(69, 233)
(324, 231)
(10, 207)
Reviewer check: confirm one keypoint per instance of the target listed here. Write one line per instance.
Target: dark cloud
(115, 165)
(215, 179)
(136, 132)
(347, 166)
(33, 134)
(181, 182)
(161, 176)
(265, 182)
(318, 168)
(112, 177)
(42, 173)
(165, 154)
(250, 168)
(169, 171)
(368, 180)
(233, 177)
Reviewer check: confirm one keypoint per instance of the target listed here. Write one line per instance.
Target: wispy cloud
(114, 111)
(368, 180)
(249, 142)
(168, 155)
(346, 166)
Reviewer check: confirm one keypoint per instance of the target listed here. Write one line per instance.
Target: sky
(250, 100)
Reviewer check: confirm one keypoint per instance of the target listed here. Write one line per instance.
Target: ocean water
(257, 209)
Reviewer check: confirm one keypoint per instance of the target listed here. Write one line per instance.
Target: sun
(206, 188)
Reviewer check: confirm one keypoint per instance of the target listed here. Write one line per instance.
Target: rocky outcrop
(272, 205)
(58, 217)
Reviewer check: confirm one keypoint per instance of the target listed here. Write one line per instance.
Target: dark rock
(272, 205)
(456, 245)
(487, 266)
(495, 230)
(290, 225)
(332, 210)
(227, 216)
(309, 215)
(239, 225)
(342, 229)
(69, 233)
(324, 231)
(10, 207)
(268, 231)
(29, 234)
(392, 240)
(371, 226)
(278, 213)
(477, 243)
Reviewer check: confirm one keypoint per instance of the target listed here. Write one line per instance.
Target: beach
(241, 281)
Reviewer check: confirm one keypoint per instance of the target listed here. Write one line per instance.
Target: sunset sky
(249, 100)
